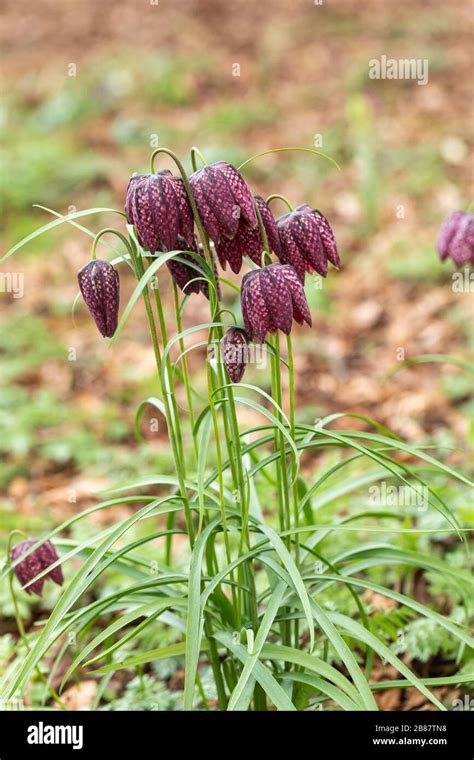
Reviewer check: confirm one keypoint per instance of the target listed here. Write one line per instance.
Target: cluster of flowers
(272, 296)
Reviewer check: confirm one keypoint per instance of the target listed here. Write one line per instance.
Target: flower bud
(100, 287)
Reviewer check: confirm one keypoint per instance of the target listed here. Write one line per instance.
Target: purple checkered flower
(456, 238)
(186, 276)
(248, 240)
(35, 563)
(271, 298)
(307, 241)
(158, 206)
(223, 198)
(100, 287)
(234, 348)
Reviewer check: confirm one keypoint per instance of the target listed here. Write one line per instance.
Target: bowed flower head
(100, 287)
(307, 241)
(223, 198)
(271, 298)
(248, 240)
(186, 276)
(234, 347)
(456, 238)
(35, 563)
(158, 206)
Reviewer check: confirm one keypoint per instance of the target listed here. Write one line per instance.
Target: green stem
(196, 153)
(277, 196)
(174, 438)
(184, 362)
(291, 387)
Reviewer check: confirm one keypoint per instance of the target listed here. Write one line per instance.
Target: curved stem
(278, 196)
(110, 230)
(196, 152)
(282, 150)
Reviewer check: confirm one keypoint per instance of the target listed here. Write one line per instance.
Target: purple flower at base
(456, 238)
(100, 287)
(271, 298)
(223, 198)
(307, 241)
(35, 563)
(158, 206)
(234, 348)
(248, 240)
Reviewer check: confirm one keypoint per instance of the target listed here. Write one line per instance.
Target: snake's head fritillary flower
(187, 277)
(223, 198)
(271, 298)
(307, 241)
(234, 348)
(248, 240)
(158, 206)
(40, 559)
(456, 238)
(100, 287)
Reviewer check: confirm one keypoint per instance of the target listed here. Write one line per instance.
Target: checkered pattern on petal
(164, 211)
(39, 560)
(305, 232)
(290, 252)
(220, 199)
(208, 217)
(254, 308)
(100, 287)
(28, 568)
(234, 348)
(270, 225)
(277, 298)
(328, 238)
(185, 214)
(143, 217)
(48, 555)
(271, 297)
(185, 275)
(229, 250)
(301, 312)
(132, 183)
(240, 192)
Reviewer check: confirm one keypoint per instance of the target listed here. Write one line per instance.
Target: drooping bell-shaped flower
(158, 206)
(186, 276)
(40, 559)
(100, 287)
(234, 350)
(223, 198)
(271, 298)
(456, 238)
(248, 240)
(307, 241)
